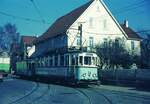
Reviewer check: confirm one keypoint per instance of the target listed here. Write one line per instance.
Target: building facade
(98, 25)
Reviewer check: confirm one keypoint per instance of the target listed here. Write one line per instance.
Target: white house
(98, 24)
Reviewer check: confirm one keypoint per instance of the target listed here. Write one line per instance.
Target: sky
(34, 17)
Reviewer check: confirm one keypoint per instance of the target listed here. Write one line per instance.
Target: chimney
(126, 23)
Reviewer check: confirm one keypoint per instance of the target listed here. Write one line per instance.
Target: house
(14, 55)
(94, 22)
(27, 47)
(22, 50)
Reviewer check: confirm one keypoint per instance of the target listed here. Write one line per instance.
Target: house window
(117, 42)
(105, 24)
(132, 45)
(105, 42)
(91, 41)
(90, 22)
(98, 9)
(78, 40)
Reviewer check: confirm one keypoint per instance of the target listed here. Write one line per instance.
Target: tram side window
(72, 60)
(67, 60)
(76, 61)
(43, 62)
(62, 60)
(80, 60)
(87, 60)
(46, 61)
(38, 63)
(56, 60)
(50, 61)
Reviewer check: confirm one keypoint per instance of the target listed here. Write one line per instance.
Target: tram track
(41, 96)
(132, 96)
(34, 96)
(84, 94)
(28, 94)
(124, 94)
(108, 101)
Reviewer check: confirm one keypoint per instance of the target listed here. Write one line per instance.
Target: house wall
(99, 24)
(30, 50)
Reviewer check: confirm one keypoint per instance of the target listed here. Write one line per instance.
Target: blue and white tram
(74, 67)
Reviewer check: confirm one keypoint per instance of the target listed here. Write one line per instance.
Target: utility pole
(80, 29)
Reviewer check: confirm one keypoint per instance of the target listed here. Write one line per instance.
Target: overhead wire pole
(80, 29)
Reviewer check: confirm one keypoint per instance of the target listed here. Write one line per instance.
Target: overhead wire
(129, 7)
(38, 11)
(120, 11)
(142, 31)
(20, 17)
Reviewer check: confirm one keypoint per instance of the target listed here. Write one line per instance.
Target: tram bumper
(88, 82)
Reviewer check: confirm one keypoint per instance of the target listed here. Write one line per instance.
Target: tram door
(31, 68)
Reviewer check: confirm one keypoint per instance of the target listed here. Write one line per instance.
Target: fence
(125, 76)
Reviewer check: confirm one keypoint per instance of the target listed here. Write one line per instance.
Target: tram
(72, 67)
(4, 66)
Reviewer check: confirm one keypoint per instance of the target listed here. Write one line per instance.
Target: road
(16, 91)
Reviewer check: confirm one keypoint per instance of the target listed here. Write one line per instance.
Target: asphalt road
(15, 91)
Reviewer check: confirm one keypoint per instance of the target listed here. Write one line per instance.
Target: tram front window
(87, 60)
(93, 60)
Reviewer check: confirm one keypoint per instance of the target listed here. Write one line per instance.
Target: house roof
(61, 25)
(130, 33)
(28, 39)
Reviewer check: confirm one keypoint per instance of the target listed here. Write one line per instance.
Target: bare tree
(8, 35)
(145, 50)
(113, 54)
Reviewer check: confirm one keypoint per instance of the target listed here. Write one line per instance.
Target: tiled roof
(63, 23)
(130, 33)
(28, 39)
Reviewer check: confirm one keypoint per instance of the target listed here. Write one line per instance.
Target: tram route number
(89, 74)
